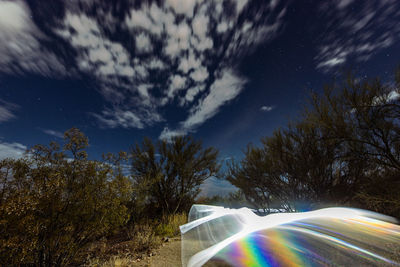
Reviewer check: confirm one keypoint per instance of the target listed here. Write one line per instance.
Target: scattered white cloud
(146, 19)
(343, 3)
(143, 43)
(200, 25)
(20, 47)
(178, 39)
(177, 83)
(119, 118)
(157, 53)
(167, 134)
(393, 95)
(144, 90)
(385, 98)
(188, 63)
(53, 133)
(199, 75)
(224, 89)
(192, 92)
(11, 150)
(96, 53)
(222, 27)
(356, 34)
(184, 7)
(155, 63)
(240, 4)
(267, 108)
(7, 111)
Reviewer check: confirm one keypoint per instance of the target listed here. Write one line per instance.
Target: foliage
(52, 206)
(167, 175)
(169, 224)
(345, 149)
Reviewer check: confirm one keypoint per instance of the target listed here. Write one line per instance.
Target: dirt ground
(168, 255)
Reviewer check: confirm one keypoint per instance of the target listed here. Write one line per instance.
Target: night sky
(226, 71)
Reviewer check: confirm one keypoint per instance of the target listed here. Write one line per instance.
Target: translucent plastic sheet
(217, 236)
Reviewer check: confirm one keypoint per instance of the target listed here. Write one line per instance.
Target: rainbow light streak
(327, 237)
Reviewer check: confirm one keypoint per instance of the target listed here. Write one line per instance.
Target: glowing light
(326, 237)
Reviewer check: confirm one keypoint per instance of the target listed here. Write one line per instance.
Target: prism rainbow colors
(327, 237)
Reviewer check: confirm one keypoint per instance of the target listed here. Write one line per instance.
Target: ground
(168, 255)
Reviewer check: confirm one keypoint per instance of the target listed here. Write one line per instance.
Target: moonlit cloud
(267, 108)
(143, 43)
(20, 47)
(224, 89)
(357, 35)
(7, 111)
(116, 118)
(145, 57)
(11, 150)
(53, 133)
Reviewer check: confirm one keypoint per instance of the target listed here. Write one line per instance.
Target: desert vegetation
(343, 149)
(58, 207)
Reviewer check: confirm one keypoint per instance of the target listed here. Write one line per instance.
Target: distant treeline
(343, 149)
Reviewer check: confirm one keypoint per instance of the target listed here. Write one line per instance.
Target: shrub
(52, 206)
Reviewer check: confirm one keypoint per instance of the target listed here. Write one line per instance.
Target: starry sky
(227, 72)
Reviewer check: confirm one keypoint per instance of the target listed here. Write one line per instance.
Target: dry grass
(169, 225)
(135, 244)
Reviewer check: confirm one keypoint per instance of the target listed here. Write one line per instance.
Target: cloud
(177, 83)
(199, 75)
(184, 7)
(267, 108)
(224, 89)
(11, 150)
(214, 186)
(143, 43)
(356, 32)
(7, 111)
(53, 133)
(393, 95)
(145, 57)
(167, 134)
(20, 43)
(119, 118)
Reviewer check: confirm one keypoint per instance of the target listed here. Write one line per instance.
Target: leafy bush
(52, 205)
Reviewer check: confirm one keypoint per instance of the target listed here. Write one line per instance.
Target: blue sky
(226, 71)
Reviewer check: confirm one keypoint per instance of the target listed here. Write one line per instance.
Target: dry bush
(118, 260)
(169, 225)
(137, 241)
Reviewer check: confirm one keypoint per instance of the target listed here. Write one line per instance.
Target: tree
(344, 147)
(295, 168)
(52, 206)
(365, 118)
(167, 175)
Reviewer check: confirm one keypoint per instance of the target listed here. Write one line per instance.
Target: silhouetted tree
(344, 147)
(365, 118)
(167, 175)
